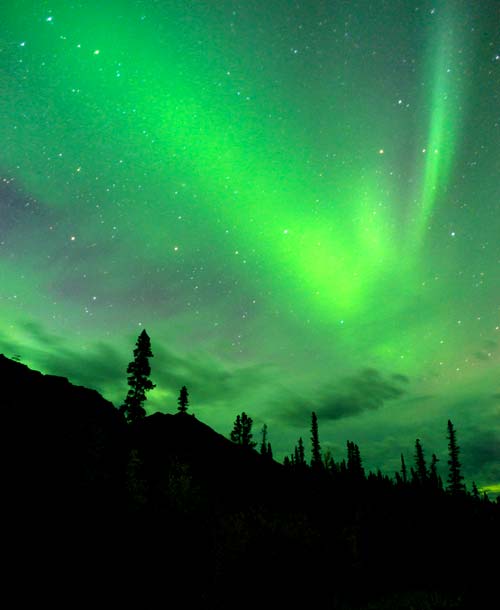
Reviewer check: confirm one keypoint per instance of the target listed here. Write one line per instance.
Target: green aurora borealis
(300, 201)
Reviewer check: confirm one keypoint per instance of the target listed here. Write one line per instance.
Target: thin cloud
(102, 367)
(367, 390)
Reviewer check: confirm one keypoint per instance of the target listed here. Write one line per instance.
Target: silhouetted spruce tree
(434, 478)
(298, 457)
(455, 478)
(354, 463)
(350, 446)
(242, 431)
(263, 444)
(421, 467)
(138, 372)
(359, 464)
(404, 471)
(316, 461)
(329, 462)
(236, 431)
(246, 431)
(475, 491)
(302, 453)
(343, 467)
(183, 400)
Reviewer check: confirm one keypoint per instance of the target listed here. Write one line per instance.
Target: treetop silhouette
(421, 467)
(138, 372)
(455, 479)
(316, 461)
(183, 400)
(242, 431)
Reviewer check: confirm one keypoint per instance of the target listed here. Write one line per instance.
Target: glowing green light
(444, 125)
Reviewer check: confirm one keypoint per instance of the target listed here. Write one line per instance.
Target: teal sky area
(300, 202)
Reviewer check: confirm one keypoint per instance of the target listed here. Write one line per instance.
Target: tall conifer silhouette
(301, 453)
(138, 372)
(235, 435)
(404, 470)
(421, 467)
(354, 463)
(183, 400)
(434, 477)
(264, 443)
(455, 478)
(246, 431)
(242, 431)
(316, 461)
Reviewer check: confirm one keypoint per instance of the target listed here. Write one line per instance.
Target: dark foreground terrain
(168, 513)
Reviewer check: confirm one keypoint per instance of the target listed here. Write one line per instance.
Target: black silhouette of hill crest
(83, 442)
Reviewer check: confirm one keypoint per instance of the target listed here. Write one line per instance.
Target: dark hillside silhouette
(164, 508)
(65, 439)
(65, 447)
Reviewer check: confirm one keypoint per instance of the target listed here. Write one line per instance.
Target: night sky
(299, 200)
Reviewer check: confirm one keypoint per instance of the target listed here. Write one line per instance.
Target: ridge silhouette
(165, 508)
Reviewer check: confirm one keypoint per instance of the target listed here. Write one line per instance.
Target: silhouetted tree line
(164, 508)
(139, 371)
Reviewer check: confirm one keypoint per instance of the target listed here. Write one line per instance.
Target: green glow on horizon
(490, 489)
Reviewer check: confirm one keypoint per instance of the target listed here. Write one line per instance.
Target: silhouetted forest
(108, 505)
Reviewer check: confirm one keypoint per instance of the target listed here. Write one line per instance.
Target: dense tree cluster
(422, 476)
(241, 433)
